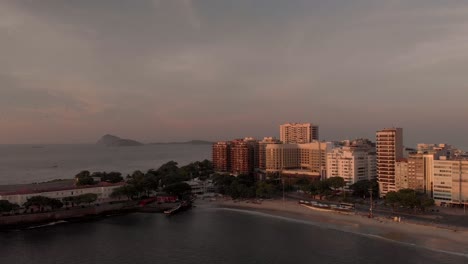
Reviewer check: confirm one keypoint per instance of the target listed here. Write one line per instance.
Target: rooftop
(52, 186)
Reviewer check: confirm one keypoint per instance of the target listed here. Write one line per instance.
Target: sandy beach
(425, 236)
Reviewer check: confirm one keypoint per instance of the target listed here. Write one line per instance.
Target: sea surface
(205, 235)
(38, 163)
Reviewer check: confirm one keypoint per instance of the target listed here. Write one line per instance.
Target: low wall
(35, 218)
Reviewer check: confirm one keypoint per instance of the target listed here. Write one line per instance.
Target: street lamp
(371, 215)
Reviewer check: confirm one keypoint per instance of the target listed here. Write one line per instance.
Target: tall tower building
(353, 162)
(262, 150)
(389, 150)
(222, 156)
(296, 133)
(243, 156)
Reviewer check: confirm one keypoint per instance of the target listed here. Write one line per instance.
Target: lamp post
(282, 180)
(371, 215)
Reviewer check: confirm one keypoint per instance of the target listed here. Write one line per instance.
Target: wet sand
(453, 241)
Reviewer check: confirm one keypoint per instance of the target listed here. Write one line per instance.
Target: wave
(48, 224)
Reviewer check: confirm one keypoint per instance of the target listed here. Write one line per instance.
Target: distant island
(114, 141)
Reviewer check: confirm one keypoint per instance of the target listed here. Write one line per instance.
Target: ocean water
(205, 235)
(37, 163)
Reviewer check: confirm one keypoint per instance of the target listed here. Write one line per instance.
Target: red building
(222, 156)
(239, 156)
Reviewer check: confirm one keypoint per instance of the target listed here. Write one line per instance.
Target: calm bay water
(33, 163)
(203, 235)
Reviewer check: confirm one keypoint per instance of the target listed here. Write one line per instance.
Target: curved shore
(452, 241)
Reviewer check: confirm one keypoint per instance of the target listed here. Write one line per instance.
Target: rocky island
(114, 141)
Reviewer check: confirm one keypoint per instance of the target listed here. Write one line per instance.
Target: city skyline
(175, 70)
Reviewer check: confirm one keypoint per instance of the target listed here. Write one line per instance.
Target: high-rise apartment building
(242, 157)
(389, 150)
(401, 174)
(310, 157)
(238, 156)
(450, 182)
(222, 156)
(298, 133)
(353, 162)
(262, 150)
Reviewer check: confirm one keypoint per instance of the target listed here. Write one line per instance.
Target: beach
(453, 241)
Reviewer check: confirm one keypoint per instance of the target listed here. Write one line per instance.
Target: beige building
(401, 174)
(311, 157)
(297, 133)
(450, 182)
(389, 150)
(262, 150)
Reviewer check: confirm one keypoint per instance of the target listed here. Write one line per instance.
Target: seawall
(25, 220)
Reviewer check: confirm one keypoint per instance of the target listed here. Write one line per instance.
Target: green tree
(84, 178)
(87, 198)
(303, 184)
(223, 182)
(408, 198)
(425, 202)
(392, 199)
(128, 191)
(112, 177)
(361, 188)
(6, 206)
(180, 189)
(265, 190)
(43, 202)
(336, 182)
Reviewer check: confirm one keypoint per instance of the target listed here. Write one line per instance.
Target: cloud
(158, 69)
(181, 8)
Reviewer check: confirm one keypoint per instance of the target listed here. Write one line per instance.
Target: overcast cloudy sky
(164, 70)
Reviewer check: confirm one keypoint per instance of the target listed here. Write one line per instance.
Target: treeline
(408, 198)
(88, 178)
(245, 186)
(330, 186)
(169, 178)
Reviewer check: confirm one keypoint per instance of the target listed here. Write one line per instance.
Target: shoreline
(441, 239)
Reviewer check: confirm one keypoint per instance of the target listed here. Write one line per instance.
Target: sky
(173, 70)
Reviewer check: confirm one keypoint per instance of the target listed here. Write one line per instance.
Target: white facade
(103, 192)
(450, 182)
(351, 164)
(296, 133)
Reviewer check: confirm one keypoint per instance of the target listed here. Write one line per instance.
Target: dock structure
(180, 207)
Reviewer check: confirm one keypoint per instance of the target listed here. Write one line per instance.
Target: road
(427, 218)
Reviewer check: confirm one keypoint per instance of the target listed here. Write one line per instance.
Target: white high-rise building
(352, 163)
(298, 133)
(389, 150)
(450, 182)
